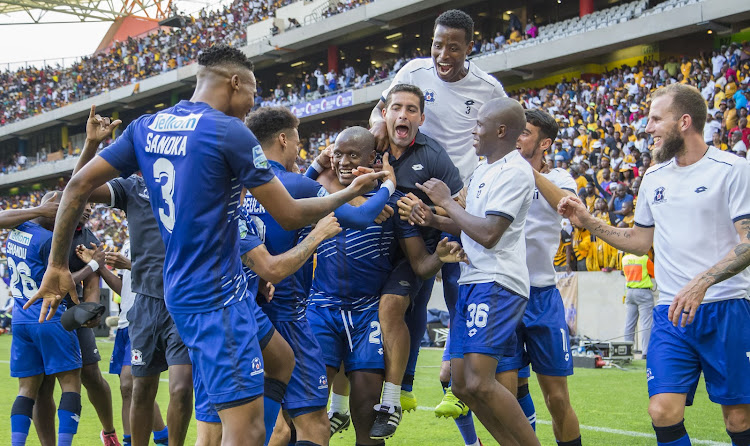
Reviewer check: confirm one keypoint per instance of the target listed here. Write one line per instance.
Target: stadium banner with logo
(322, 105)
(567, 284)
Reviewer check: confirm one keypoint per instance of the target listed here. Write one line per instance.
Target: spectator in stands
(738, 145)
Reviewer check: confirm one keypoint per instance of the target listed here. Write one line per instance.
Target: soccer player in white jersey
(543, 334)
(454, 90)
(694, 207)
(494, 288)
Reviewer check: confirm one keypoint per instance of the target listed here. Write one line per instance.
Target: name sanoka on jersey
(195, 160)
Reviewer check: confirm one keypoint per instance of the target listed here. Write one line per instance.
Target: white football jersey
(127, 297)
(502, 188)
(693, 210)
(451, 107)
(543, 225)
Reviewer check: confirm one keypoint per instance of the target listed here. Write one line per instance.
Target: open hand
(56, 284)
(451, 252)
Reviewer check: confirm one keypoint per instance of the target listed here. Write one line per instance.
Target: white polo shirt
(127, 296)
(503, 188)
(543, 225)
(451, 107)
(693, 210)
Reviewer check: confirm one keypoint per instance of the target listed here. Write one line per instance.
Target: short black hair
(544, 121)
(406, 88)
(223, 54)
(456, 19)
(268, 122)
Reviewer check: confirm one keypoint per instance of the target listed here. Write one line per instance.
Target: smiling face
(86, 215)
(450, 48)
(243, 93)
(484, 134)
(403, 118)
(347, 156)
(663, 126)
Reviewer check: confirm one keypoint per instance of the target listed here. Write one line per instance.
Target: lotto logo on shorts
(257, 366)
(136, 357)
(323, 382)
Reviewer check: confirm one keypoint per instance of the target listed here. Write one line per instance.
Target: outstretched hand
(366, 180)
(56, 284)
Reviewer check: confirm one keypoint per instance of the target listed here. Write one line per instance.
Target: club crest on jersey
(479, 189)
(322, 382)
(649, 375)
(659, 195)
(429, 96)
(259, 158)
(468, 105)
(144, 194)
(257, 366)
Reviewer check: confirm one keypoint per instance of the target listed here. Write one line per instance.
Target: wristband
(316, 165)
(94, 265)
(388, 184)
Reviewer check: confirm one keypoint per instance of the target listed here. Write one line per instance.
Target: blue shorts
(524, 372)
(121, 352)
(487, 315)
(543, 339)
(45, 348)
(349, 336)
(308, 388)
(204, 410)
(224, 351)
(716, 343)
(265, 327)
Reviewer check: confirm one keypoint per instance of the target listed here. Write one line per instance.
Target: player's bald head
(505, 112)
(358, 137)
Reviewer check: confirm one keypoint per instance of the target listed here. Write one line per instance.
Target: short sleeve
(307, 188)
(118, 190)
(402, 77)
(564, 180)
(739, 191)
(121, 153)
(447, 172)
(508, 192)
(245, 157)
(249, 238)
(643, 216)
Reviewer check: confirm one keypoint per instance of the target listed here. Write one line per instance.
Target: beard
(671, 146)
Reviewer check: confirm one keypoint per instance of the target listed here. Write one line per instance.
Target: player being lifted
(494, 288)
(351, 270)
(195, 157)
(697, 199)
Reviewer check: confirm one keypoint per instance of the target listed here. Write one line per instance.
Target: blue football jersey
(28, 249)
(290, 297)
(195, 160)
(353, 266)
(249, 240)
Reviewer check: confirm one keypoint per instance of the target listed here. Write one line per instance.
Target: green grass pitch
(611, 405)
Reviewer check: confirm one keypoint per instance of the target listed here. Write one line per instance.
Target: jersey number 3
(164, 175)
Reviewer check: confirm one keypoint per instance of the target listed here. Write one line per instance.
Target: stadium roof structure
(87, 10)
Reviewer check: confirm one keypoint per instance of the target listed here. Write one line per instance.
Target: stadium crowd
(30, 91)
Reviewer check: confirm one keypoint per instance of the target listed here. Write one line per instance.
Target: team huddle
(266, 293)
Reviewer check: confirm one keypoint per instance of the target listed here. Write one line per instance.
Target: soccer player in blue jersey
(38, 349)
(307, 394)
(351, 270)
(696, 199)
(195, 158)
(494, 288)
(278, 357)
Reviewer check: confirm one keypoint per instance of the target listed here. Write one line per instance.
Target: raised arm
(377, 126)
(98, 128)
(293, 214)
(636, 240)
(275, 268)
(13, 217)
(690, 297)
(549, 191)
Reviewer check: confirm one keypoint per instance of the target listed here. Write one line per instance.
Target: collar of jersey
(418, 139)
(277, 165)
